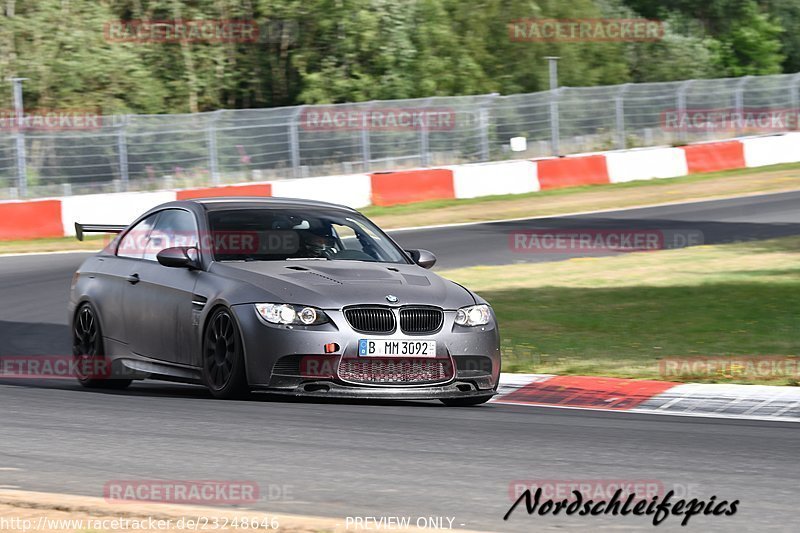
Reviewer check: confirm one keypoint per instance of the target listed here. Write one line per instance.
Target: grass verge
(774, 178)
(619, 316)
(60, 244)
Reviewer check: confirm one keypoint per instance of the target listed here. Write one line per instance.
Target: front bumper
(474, 354)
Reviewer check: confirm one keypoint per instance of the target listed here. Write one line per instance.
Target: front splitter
(329, 389)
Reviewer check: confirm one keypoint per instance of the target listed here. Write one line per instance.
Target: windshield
(280, 234)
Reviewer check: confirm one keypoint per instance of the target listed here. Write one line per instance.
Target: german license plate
(396, 348)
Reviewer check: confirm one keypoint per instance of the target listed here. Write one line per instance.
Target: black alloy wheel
(223, 357)
(87, 349)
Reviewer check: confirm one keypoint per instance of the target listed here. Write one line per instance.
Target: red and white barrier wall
(56, 217)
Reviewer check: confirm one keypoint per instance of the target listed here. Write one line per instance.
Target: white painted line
(511, 382)
(671, 403)
(758, 406)
(790, 406)
(635, 410)
(730, 404)
(693, 403)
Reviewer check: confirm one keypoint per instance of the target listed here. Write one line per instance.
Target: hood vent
(304, 273)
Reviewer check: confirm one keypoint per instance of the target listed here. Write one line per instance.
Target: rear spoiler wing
(80, 229)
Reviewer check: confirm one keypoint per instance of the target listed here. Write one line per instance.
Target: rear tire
(465, 402)
(87, 349)
(223, 357)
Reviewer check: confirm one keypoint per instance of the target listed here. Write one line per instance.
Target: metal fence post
(122, 153)
(424, 141)
(294, 141)
(555, 92)
(794, 99)
(681, 94)
(366, 155)
(22, 170)
(19, 110)
(213, 152)
(424, 146)
(366, 152)
(619, 104)
(739, 102)
(555, 126)
(484, 125)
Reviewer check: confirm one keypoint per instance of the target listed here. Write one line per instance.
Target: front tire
(465, 402)
(87, 349)
(223, 357)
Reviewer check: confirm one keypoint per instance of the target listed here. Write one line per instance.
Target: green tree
(743, 38)
(60, 47)
(329, 51)
(787, 14)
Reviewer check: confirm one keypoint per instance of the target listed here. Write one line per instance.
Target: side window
(135, 241)
(175, 227)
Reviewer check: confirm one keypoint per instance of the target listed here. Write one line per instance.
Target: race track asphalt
(391, 459)
(715, 222)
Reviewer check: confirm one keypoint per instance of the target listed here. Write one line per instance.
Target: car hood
(335, 284)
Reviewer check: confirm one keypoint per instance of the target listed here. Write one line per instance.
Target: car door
(158, 304)
(115, 280)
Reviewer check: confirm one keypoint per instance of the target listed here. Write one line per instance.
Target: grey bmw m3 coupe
(281, 295)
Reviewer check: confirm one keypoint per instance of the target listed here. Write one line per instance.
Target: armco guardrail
(56, 217)
(89, 153)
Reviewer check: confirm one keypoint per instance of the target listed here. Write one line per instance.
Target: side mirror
(423, 258)
(178, 257)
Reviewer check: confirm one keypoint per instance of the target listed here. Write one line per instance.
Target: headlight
(291, 314)
(474, 315)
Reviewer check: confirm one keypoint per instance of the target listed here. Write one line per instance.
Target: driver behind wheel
(319, 242)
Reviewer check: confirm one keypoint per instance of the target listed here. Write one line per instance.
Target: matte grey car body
(168, 317)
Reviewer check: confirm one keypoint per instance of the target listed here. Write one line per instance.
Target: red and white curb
(753, 402)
